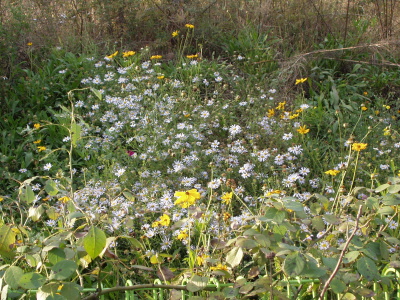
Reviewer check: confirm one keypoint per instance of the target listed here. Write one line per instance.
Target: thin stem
(328, 282)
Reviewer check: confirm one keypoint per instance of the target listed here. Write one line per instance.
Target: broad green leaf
(247, 243)
(390, 199)
(94, 242)
(51, 187)
(47, 290)
(230, 292)
(394, 189)
(35, 213)
(63, 270)
(318, 223)
(56, 255)
(234, 256)
(12, 276)
(71, 291)
(350, 277)
(312, 270)
(372, 250)
(96, 93)
(385, 210)
(31, 281)
(367, 268)
(197, 283)
(372, 203)
(364, 292)
(26, 194)
(349, 296)
(52, 213)
(293, 206)
(7, 241)
(350, 256)
(294, 264)
(263, 240)
(75, 133)
(332, 219)
(129, 196)
(330, 262)
(382, 187)
(337, 286)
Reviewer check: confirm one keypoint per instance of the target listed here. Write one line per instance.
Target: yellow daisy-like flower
(226, 216)
(128, 53)
(37, 142)
(303, 129)
(227, 198)
(364, 108)
(182, 235)
(156, 57)
(192, 56)
(30, 44)
(187, 198)
(200, 260)
(160, 77)
(359, 146)
(1, 199)
(36, 126)
(281, 105)
(219, 267)
(190, 26)
(274, 192)
(41, 148)
(165, 220)
(112, 55)
(175, 33)
(386, 106)
(64, 199)
(271, 113)
(332, 172)
(301, 80)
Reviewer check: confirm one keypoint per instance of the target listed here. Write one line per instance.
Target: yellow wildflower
(1, 199)
(182, 235)
(128, 53)
(365, 93)
(30, 44)
(175, 33)
(200, 260)
(303, 129)
(226, 216)
(386, 131)
(294, 116)
(112, 55)
(364, 108)
(37, 142)
(227, 198)
(41, 148)
(187, 198)
(273, 192)
(359, 146)
(160, 77)
(271, 113)
(192, 56)
(64, 199)
(156, 57)
(386, 106)
(219, 267)
(190, 26)
(36, 126)
(301, 80)
(281, 105)
(165, 220)
(332, 172)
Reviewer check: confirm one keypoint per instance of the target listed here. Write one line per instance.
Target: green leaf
(350, 256)
(51, 187)
(382, 187)
(35, 213)
(47, 290)
(94, 242)
(234, 256)
(12, 276)
(129, 196)
(31, 281)
(385, 210)
(312, 270)
(63, 270)
(75, 133)
(337, 286)
(230, 292)
(367, 268)
(394, 189)
(71, 291)
(294, 264)
(293, 205)
(97, 93)
(7, 241)
(332, 219)
(247, 243)
(56, 255)
(372, 203)
(263, 240)
(26, 194)
(197, 283)
(390, 199)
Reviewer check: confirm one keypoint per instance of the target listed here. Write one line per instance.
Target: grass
(130, 165)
